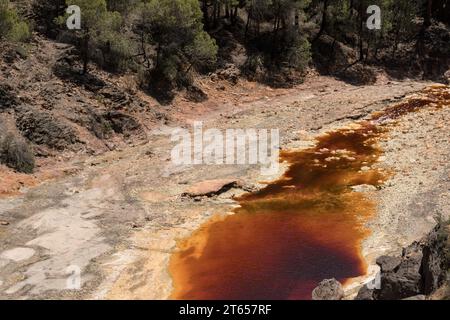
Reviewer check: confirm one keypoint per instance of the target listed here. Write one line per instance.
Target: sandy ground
(116, 218)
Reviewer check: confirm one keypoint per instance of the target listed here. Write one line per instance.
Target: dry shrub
(16, 154)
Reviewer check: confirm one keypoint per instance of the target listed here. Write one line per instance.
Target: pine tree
(100, 29)
(174, 29)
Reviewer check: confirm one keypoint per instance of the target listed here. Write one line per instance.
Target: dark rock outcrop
(421, 269)
(42, 128)
(121, 122)
(8, 97)
(388, 263)
(329, 289)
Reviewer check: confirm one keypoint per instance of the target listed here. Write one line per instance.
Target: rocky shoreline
(421, 270)
(419, 273)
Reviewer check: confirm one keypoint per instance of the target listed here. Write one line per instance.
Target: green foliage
(11, 27)
(94, 12)
(274, 27)
(202, 50)
(163, 40)
(115, 50)
(174, 30)
(122, 6)
(298, 54)
(46, 14)
(100, 37)
(16, 154)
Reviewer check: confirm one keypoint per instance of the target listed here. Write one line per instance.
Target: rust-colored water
(287, 237)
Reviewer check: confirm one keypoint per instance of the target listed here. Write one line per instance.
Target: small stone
(418, 297)
(4, 223)
(329, 289)
(364, 188)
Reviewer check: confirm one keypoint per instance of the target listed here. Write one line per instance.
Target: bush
(298, 51)
(114, 51)
(11, 27)
(16, 154)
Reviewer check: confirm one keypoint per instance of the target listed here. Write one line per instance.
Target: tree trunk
(361, 30)
(205, 14)
(247, 25)
(235, 15)
(428, 13)
(85, 52)
(323, 24)
(215, 9)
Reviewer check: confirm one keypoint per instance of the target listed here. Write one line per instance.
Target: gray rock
(329, 289)
(365, 294)
(447, 76)
(435, 262)
(388, 263)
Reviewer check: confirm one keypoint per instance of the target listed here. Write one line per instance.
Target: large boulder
(435, 261)
(405, 280)
(329, 289)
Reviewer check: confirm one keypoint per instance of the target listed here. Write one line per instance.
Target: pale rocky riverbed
(118, 216)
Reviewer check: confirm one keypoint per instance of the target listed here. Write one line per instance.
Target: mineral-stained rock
(210, 187)
(329, 289)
